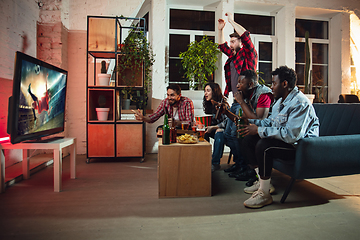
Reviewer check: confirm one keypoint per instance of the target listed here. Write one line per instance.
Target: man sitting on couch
(293, 118)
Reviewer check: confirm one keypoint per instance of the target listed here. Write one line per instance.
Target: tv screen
(37, 104)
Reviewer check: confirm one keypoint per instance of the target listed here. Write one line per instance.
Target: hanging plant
(135, 59)
(199, 61)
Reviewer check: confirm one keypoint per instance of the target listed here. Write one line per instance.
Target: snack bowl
(187, 139)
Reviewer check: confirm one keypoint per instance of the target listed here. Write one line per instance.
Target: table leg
(2, 171)
(57, 169)
(73, 160)
(25, 165)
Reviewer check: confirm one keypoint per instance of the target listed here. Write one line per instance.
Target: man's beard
(173, 103)
(276, 97)
(236, 50)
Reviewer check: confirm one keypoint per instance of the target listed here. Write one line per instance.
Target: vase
(126, 104)
(310, 97)
(102, 113)
(104, 79)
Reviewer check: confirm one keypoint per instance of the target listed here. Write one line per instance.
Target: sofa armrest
(327, 156)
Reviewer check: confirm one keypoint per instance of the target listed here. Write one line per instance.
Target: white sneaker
(259, 199)
(255, 187)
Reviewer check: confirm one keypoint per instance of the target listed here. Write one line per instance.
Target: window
(192, 20)
(256, 24)
(146, 17)
(317, 29)
(178, 44)
(186, 26)
(262, 30)
(265, 54)
(319, 49)
(354, 84)
(196, 25)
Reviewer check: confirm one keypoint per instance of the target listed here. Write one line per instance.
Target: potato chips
(187, 138)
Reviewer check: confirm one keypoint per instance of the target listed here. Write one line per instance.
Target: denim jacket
(291, 120)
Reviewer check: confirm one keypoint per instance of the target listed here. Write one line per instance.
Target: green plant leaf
(199, 61)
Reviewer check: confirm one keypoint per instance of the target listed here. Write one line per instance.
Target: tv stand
(57, 145)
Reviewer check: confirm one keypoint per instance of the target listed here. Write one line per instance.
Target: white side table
(56, 145)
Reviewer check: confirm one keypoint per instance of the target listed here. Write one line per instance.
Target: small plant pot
(104, 79)
(310, 97)
(102, 113)
(126, 104)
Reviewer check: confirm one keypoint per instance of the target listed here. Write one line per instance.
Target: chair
(348, 98)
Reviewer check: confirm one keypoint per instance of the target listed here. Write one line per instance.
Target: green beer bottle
(239, 122)
(166, 131)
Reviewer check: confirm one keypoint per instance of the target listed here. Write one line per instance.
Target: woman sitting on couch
(212, 91)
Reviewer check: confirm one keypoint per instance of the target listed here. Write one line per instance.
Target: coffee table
(184, 170)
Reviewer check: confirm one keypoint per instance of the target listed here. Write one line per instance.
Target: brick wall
(52, 42)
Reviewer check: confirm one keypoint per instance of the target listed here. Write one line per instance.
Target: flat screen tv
(37, 104)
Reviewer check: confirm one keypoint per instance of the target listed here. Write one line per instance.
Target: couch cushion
(338, 118)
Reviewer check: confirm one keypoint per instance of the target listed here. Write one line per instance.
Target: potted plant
(136, 59)
(104, 78)
(101, 111)
(308, 72)
(199, 61)
(126, 100)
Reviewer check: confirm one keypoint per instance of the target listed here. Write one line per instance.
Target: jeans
(218, 147)
(230, 129)
(230, 137)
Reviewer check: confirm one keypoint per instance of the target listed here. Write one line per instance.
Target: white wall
(18, 26)
(339, 73)
(17, 33)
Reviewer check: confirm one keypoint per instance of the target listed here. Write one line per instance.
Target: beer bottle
(173, 132)
(239, 122)
(166, 131)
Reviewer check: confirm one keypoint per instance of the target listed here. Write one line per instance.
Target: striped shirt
(185, 108)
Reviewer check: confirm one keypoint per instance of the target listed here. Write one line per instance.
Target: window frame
(317, 41)
(256, 38)
(192, 34)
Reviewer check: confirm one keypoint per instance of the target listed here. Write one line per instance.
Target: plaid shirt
(185, 110)
(245, 59)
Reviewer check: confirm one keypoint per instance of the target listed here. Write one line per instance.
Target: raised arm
(238, 28)
(221, 25)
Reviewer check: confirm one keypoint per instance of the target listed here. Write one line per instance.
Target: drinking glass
(185, 125)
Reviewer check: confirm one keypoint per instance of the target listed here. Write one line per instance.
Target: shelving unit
(120, 136)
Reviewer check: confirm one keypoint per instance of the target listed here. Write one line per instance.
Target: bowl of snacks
(187, 139)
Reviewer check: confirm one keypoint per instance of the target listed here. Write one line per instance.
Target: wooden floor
(112, 199)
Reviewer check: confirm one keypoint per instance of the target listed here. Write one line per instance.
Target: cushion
(338, 118)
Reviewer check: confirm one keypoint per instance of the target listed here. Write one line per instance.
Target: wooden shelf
(129, 140)
(137, 74)
(100, 142)
(102, 54)
(101, 34)
(120, 135)
(96, 95)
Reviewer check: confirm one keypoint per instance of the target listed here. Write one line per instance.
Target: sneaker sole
(251, 192)
(260, 205)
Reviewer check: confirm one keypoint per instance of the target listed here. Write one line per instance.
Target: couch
(335, 152)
